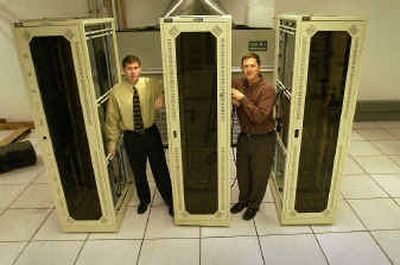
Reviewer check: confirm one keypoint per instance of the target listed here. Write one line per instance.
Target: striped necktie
(137, 115)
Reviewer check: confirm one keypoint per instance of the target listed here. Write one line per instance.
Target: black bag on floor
(16, 155)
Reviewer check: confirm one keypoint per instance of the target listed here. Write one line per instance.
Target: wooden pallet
(21, 129)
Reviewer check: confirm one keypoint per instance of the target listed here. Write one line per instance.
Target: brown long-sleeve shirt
(255, 112)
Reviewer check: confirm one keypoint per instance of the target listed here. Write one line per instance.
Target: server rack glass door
(196, 64)
(53, 63)
(104, 76)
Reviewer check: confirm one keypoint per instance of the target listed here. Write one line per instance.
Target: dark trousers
(254, 159)
(139, 148)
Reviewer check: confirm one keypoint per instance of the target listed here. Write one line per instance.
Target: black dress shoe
(142, 207)
(249, 213)
(239, 206)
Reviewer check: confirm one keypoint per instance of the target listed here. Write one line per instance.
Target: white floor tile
(8, 193)
(291, 249)
(170, 251)
(9, 251)
(355, 136)
(51, 231)
(42, 178)
(161, 225)
(35, 196)
(366, 124)
(135, 199)
(268, 197)
(267, 222)
(396, 159)
(20, 224)
(375, 134)
(390, 124)
(388, 147)
(346, 221)
(235, 193)
(391, 183)
(238, 227)
(352, 168)
(394, 132)
(132, 227)
(232, 251)
(378, 164)
(22, 175)
(378, 213)
(106, 252)
(363, 149)
(390, 242)
(351, 248)
(361, 187)
(158, 200)
(50, 253)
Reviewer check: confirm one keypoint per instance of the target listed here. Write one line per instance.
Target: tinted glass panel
(52, 59)
(283, 116)
(279, 168)
(117, 171)
(102, 62)
(287, 40)
(329, 56)
(197, 83)
(102, 110)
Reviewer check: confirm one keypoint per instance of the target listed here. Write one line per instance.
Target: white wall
(380, 65)
(381, 60)
(14, 104)
(254, 12)
(141, 13)
(380, 68)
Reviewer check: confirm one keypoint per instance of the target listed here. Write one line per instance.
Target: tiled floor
(367, 230)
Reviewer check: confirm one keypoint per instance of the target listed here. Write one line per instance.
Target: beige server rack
(196, 53)
(70, 66)
(317, 79)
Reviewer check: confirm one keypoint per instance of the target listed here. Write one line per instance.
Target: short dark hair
(250, 55)
(131, 59)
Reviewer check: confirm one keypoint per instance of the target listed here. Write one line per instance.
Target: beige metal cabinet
(196, 53)
(317, 79)
(69, 66)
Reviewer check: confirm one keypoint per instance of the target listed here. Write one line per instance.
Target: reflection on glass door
(327, 70)
(102, 60)
(197, 84)
(279, 168)
(287, 40)
(104, 74)
(117, 171)
(282, 112)
(283, 116)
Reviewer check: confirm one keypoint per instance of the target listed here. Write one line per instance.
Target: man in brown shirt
(254, 97)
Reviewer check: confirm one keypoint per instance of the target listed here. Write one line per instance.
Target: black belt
(151, 128)
(254, 135)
